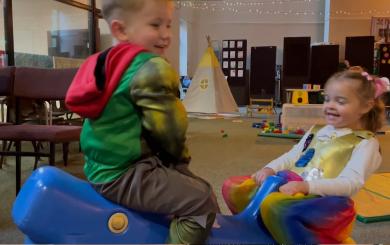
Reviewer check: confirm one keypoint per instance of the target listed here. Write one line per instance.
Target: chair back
(6, 80)
(42, 83)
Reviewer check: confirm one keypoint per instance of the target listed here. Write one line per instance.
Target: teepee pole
(208, 40)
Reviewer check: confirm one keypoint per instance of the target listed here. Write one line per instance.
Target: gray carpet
(214, 157)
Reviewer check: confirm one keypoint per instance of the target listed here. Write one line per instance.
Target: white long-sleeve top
(365, 159)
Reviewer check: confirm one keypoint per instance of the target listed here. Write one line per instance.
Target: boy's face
(150, 27)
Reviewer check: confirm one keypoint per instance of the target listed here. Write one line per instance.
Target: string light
(200, 3)
(274, 7)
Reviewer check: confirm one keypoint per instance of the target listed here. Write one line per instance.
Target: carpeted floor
(214, 157)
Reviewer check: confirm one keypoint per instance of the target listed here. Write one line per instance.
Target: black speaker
(296, 59)
(323, 63)
(296, 56)
(359, 51)
(262, 73)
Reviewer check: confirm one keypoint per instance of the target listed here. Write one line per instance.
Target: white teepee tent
(209, 91)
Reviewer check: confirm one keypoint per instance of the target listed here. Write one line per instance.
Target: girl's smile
(343, 107)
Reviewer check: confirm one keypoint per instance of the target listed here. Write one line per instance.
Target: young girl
(331, 161)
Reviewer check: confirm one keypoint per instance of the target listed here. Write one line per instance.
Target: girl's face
(342, 105)
(151, 26)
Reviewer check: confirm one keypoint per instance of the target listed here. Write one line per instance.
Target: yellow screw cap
(118, 223)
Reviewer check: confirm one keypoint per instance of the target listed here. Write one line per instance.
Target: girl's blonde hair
(365, 90)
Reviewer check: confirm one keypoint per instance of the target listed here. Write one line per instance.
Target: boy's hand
(293, 187)
(262, 174)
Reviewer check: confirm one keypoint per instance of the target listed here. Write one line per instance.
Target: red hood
(87, 96)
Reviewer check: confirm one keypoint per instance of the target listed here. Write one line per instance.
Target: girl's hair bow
(382, 85)
(367, 76)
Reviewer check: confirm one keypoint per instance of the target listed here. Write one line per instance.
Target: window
(2, 34)
(3, 55)
(183, 48)
(46, 29)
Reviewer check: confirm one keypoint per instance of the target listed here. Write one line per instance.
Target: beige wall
(191, 18)
(256, 35)
(259, 30)
(347, 18)
(172, 53)
(355, 21)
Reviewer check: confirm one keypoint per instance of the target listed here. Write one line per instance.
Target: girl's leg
(237, 191)
(308, 219)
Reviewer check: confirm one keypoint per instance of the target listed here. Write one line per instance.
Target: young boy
(133, 136)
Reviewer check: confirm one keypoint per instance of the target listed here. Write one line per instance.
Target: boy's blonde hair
(117, 9)
(113, 9)
(365, 90)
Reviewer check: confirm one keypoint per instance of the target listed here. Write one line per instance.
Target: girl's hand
(262, 174)
(293, 187)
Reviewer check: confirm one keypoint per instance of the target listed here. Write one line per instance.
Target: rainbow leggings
(295, 219)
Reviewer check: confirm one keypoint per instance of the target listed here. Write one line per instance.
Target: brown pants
(150, 186)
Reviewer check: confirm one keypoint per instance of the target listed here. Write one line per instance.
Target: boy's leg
(191, 229)
(151, 187)
(186, 230)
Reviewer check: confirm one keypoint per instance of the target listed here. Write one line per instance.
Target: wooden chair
(261, 105)
(45, 84)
